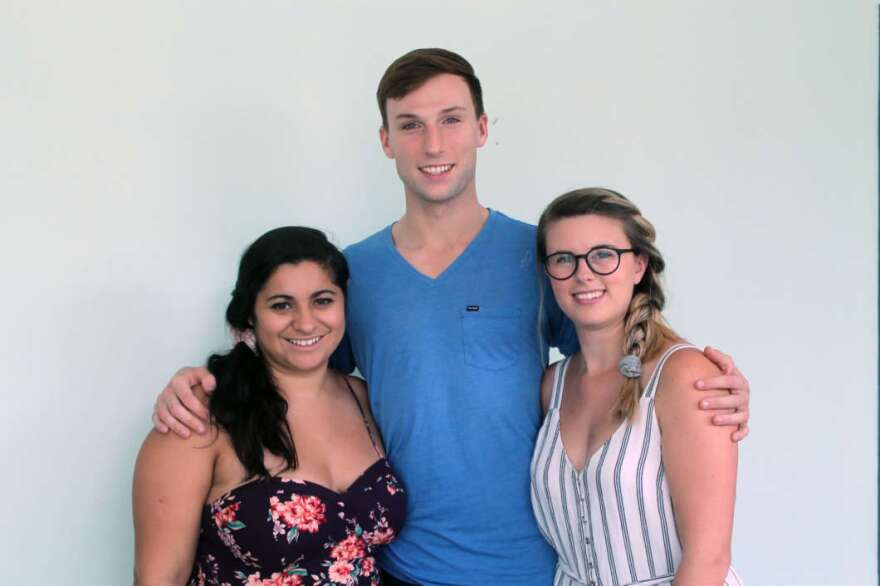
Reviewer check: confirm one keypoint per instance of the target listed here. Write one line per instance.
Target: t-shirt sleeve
(558, 329)
(342, 359)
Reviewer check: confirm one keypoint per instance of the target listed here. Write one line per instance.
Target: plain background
(143, 145)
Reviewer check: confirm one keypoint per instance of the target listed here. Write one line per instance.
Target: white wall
(142, 145)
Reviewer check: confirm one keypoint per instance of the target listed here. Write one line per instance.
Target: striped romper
(611, 524)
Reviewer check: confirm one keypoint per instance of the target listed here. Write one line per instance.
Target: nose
(433, 140)
(582, 271)
(305, 321)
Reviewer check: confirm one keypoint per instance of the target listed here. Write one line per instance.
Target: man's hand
(178, 408)
(737, 400)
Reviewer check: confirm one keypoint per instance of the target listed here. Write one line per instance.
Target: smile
(589, 295)
(304, 342)
(436, 169)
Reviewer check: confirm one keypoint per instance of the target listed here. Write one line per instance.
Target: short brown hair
(411, 71)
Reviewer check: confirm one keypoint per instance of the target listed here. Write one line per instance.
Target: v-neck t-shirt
(453, 365)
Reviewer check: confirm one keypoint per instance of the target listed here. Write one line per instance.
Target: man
(444, 323)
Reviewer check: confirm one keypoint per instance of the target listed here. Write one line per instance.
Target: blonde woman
(631, 484)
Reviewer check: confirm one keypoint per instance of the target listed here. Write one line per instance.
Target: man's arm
(181, 406)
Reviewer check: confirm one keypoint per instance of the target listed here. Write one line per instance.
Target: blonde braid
(645, 332)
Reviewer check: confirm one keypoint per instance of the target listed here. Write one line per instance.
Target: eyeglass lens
(602, 261)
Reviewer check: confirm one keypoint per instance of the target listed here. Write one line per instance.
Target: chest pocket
(493, 340)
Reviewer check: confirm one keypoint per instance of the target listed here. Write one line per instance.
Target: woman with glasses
(631, 484)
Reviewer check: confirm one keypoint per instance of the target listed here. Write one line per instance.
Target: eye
(602, 254)
(451, 120)
(409, 126)
(562, 259)
(280, 306)
(323, 301)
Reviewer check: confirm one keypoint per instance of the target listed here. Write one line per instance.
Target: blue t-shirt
(453, 366)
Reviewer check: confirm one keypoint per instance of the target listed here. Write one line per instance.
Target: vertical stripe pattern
(611, 524)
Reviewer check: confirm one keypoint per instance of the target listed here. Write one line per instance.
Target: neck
(601, 348)
(302, 386)
(438, 225)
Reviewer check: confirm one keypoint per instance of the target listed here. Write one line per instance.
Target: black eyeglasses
(602, 260)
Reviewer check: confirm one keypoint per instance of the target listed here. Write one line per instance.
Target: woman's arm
(172, 479)
(700, 462)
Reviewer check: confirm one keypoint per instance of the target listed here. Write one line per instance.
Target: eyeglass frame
(585, 256)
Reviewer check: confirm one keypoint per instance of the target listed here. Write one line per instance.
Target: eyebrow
(286, 297)
(601, 245)
(408, 116)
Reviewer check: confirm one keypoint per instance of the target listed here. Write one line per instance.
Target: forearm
(702, 570)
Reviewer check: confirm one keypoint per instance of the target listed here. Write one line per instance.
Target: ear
(385, 141)
(483, 126)
(641, 267)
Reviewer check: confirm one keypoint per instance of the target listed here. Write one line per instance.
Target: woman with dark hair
(631, 484)
(292, 486)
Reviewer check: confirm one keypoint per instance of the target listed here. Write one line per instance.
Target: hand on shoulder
(677, 397)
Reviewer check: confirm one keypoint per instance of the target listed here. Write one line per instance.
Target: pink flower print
(277, 579)
(340, 572)
(368, 566)
(226, 516)
(391, 484)
(304, 513)
(380, 536)
(350, 548)
(309, 513)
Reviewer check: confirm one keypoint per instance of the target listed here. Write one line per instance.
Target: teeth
(436, 169)
(589, 295)
(304, 342)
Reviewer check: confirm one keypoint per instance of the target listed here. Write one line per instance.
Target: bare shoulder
(171, 445)
(676, 392)
(686, 366)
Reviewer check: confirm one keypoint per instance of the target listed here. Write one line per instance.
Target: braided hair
(645, 329)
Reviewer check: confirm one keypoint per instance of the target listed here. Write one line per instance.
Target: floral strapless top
(285, 532)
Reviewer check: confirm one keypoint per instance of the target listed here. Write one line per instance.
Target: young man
(444, 323)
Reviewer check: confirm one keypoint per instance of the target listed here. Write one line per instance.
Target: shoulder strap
(363, 415)
(651, 387)
(558, 383)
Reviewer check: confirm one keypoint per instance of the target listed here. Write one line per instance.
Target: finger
(721, 360)
(186, 396)
(185, 417)
(194, 376)
(180, 429)
(208, 382)
(730, 382)
(157, 423)
(735, 418)
(739, 402)
(166, 417)
(741, 433)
